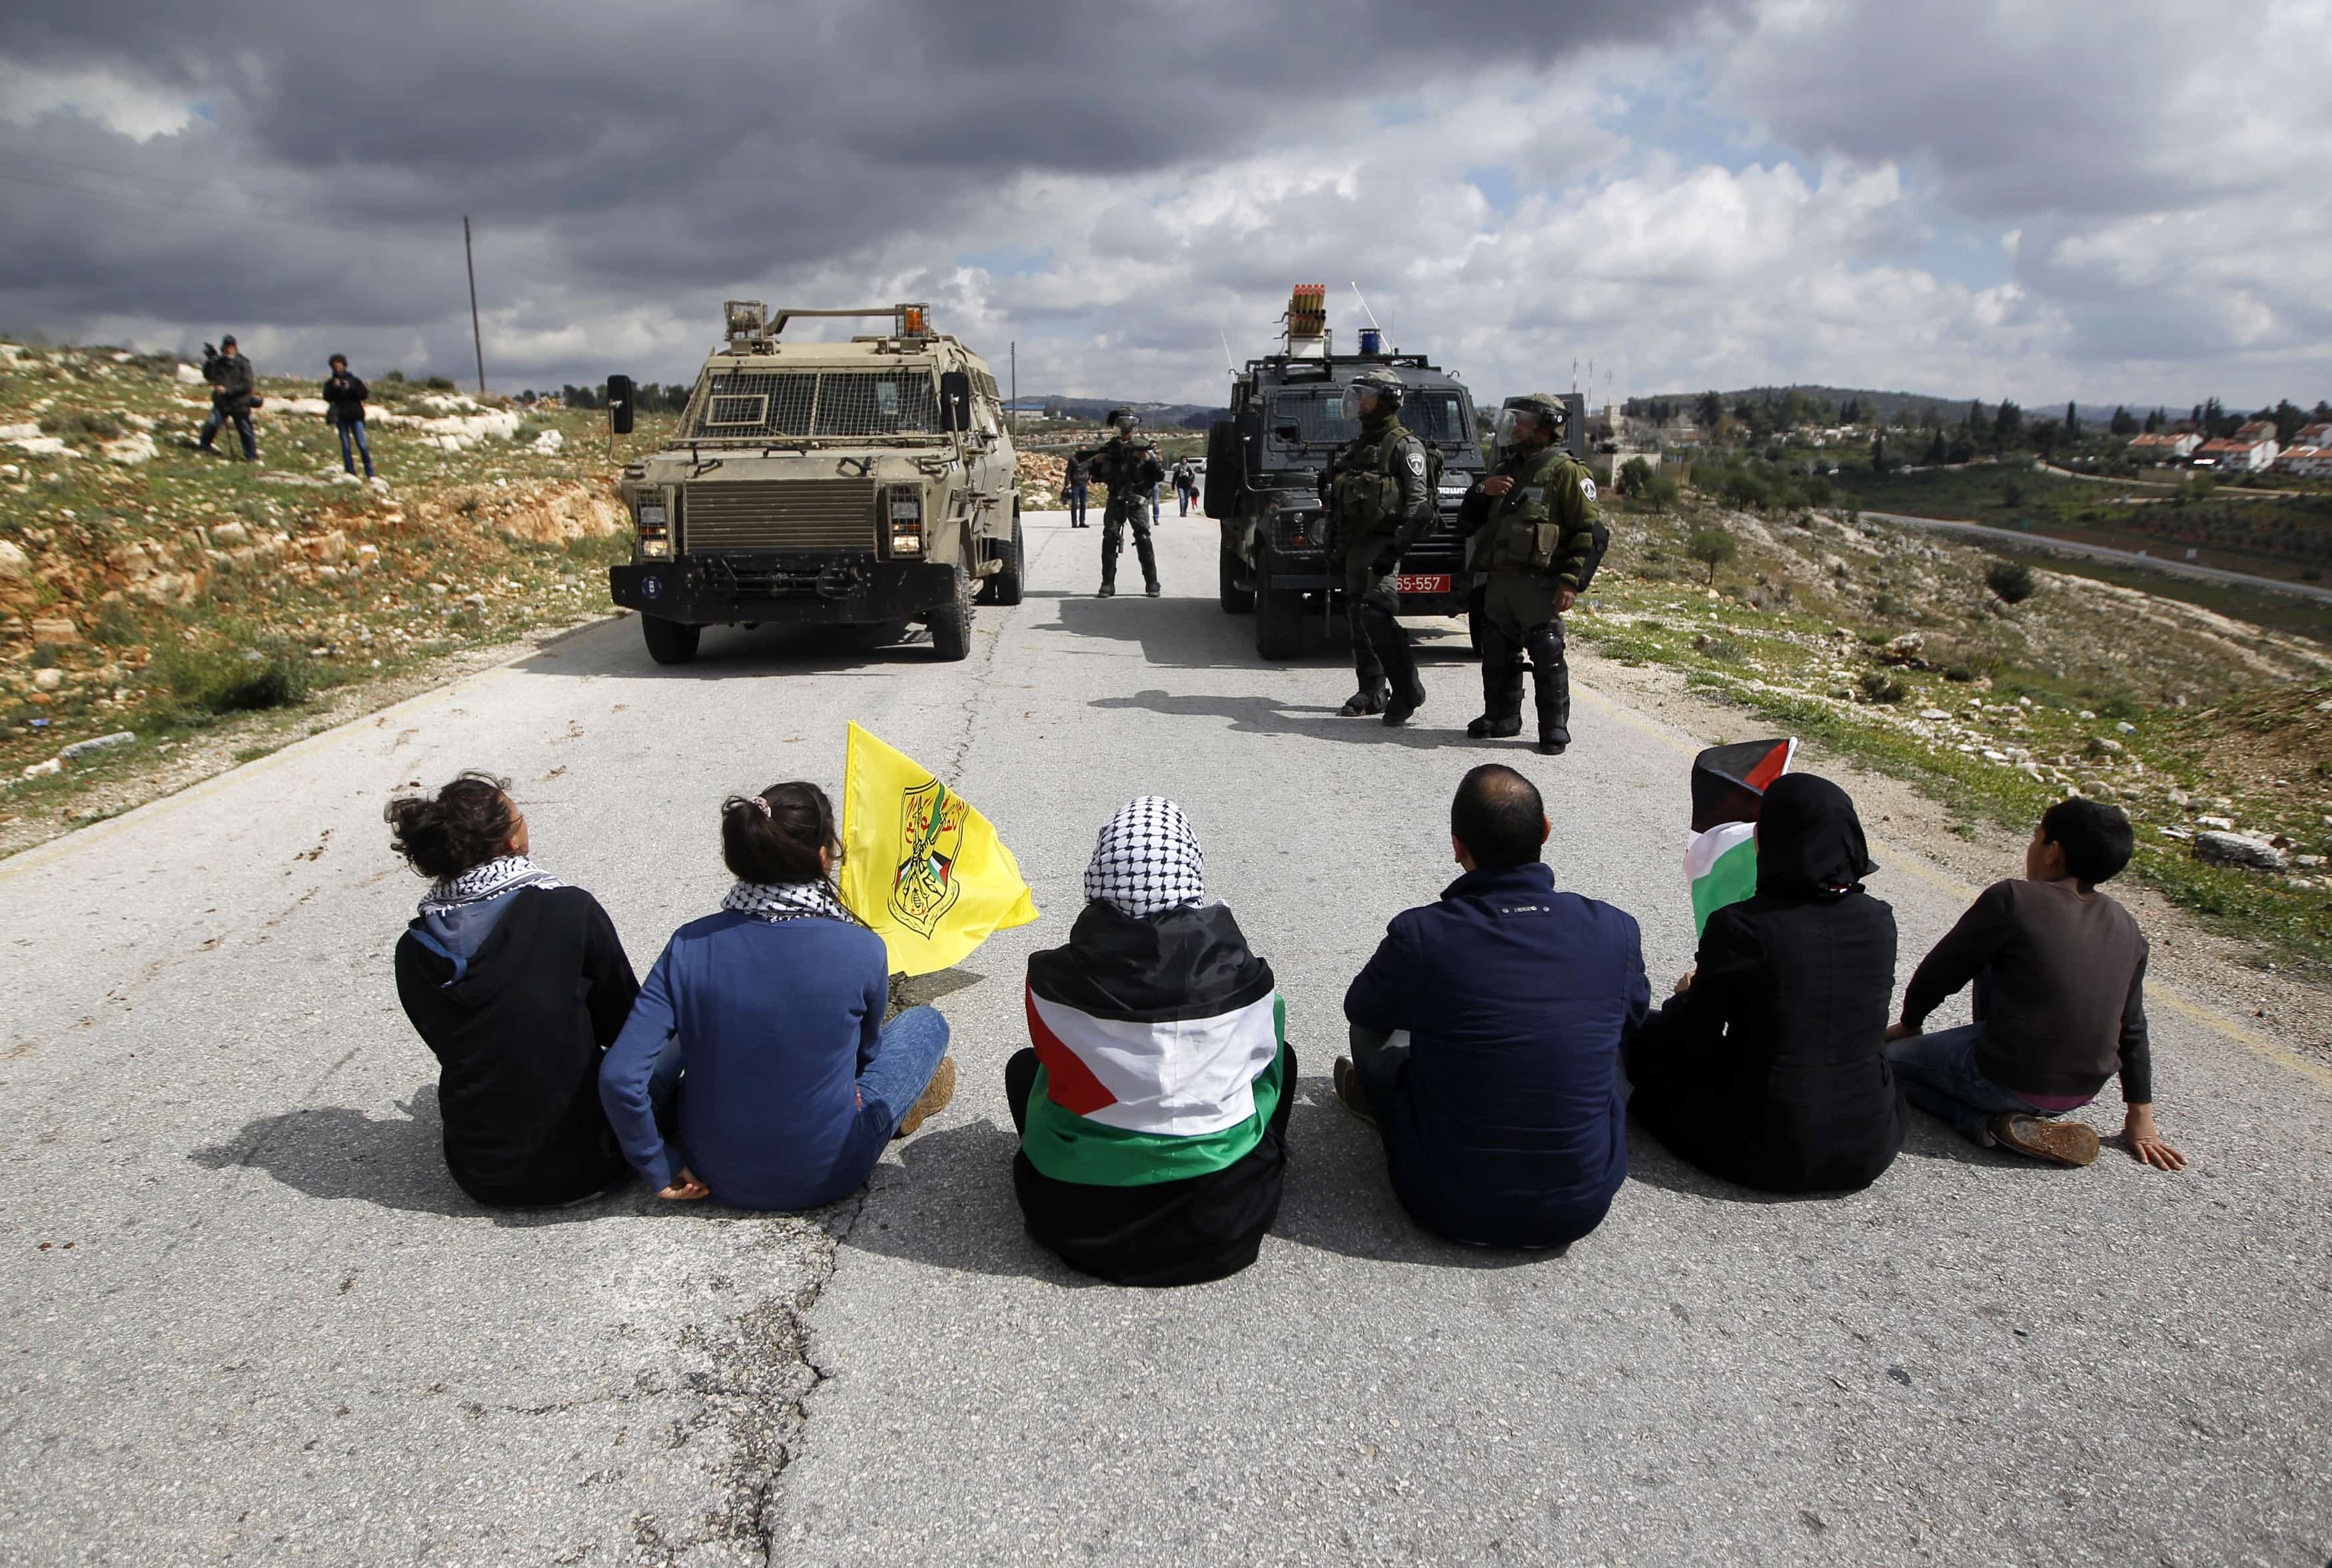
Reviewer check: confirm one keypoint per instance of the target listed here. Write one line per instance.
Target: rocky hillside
(2001, 686)
(149, 590)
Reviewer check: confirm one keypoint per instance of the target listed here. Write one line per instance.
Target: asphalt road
(2047, 543)
(251, 1321)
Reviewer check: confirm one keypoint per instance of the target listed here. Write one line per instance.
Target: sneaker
(1350, 1093)
(935, 1097)
(1108, 590)
(1151, 589)
(2059, 1143)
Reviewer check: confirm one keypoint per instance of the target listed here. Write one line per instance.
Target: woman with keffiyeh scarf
(1152, 1106)
(518, 984)
(756, 1067)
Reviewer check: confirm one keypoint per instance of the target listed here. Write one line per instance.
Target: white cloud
(121, 105)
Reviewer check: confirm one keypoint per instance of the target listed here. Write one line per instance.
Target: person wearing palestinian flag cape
(1152, 1104)
(1768, 1067)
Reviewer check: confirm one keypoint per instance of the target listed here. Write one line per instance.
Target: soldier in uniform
(1536, 509)
(1380, 490)
(1129, 466)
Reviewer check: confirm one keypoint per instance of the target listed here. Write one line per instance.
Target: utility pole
(477, 340)
(1012, 415)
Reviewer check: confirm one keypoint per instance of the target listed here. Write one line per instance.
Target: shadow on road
(1193, 633)
(337, 1151)
(726, 652)
(953, 1207)
(1269, 716)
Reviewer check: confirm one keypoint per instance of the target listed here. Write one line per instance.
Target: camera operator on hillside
(1129, 466)
(344, 397)
(235, 386)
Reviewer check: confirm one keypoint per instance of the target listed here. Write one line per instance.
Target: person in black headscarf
(1768, 1067)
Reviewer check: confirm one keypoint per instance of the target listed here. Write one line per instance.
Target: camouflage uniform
(1537, 539)
(1131, 469)
(1380, 491)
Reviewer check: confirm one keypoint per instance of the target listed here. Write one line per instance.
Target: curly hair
(469, 823)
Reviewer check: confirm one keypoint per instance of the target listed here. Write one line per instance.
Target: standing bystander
(344, 403)
(235, 386)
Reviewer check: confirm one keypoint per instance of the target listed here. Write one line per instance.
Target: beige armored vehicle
(867, 484)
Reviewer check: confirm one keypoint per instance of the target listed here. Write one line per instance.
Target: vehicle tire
(669, 641)
(1007, 586)
(951, 622)
(1278, 615)
(1236, 600)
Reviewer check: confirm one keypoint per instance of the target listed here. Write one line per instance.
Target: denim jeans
(241, 418)
(1938, 1073)
(1076, 505)
(889, 1085)
(355, 431)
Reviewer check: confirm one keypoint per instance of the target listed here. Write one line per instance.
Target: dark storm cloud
(650, 149)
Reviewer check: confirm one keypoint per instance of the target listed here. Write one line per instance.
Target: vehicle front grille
(830, 514)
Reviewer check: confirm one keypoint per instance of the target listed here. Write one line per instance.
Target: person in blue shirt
(756, 1067)
(1487, 1034)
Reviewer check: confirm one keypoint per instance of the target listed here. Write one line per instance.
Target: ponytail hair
(471, 822)
(775, 837)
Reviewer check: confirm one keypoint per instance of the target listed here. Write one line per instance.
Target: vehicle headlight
(657, 549)
(903, 510)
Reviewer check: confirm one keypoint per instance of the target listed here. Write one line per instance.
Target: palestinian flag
(1159, 1041)
(1728, 786)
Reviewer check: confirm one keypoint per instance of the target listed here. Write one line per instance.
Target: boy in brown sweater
(2059, 976)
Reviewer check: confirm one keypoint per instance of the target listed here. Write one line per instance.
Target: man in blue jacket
(1486, 1033)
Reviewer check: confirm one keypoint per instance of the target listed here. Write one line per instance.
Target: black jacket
(1177, 964)
(344, 397)
(1511, 1126)
(1771, 1070)
(232, 383)
(518, 1039)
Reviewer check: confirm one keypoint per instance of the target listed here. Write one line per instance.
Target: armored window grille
(1317, 415)
(876, 403)
(749, 403)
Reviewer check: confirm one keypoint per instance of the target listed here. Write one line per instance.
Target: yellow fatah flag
(919, 865)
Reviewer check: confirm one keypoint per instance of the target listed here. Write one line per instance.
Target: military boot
(1148, 554)
(1502, 703)
(1369, 699)
(1400, 666)
(1553, 684)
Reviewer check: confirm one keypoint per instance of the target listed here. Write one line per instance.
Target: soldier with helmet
(1380, 490)
(1534, 513)
(1127, 464)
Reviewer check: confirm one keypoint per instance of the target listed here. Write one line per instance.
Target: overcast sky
(2102, 199)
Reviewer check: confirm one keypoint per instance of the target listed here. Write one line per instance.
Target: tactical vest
(1367, 493)
(1528, 536)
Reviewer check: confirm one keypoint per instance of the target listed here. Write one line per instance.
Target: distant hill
(1889, 406)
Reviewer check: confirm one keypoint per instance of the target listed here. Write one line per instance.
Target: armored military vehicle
(1262, 475)
(866, 484)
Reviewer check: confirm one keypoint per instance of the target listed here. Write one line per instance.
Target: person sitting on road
(1152, 1108)
(1768, 1067)
(1486, 1032)
(518, 984)
(2059, 976)
(756, 1067)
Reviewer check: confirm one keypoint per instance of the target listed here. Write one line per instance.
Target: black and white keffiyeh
(1147, 859)
(491, 879)
(788, 901)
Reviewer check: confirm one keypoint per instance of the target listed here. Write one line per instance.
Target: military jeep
(866, 484)
(1263, 473)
